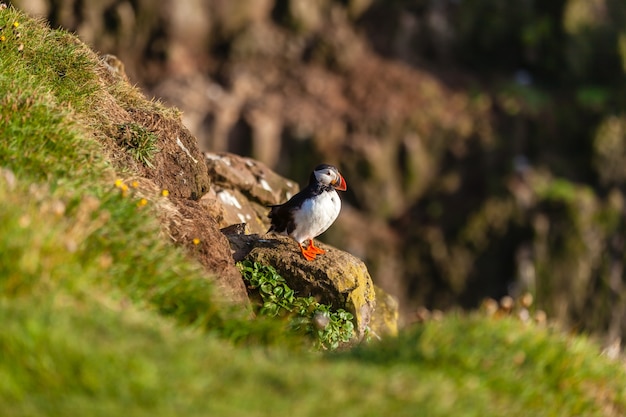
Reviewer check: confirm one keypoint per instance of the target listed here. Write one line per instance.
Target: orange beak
(342, 184)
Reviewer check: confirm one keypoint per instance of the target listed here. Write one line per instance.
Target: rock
(385, 318)
(115, 67)
(335, 278)
(242, 191)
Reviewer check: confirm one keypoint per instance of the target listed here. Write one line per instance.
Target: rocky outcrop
(335, 278)
(201, 198)
(242, 188)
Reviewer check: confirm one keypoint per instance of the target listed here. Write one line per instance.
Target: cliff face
(481, 142)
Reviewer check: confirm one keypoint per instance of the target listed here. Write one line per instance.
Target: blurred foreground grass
(101, 316)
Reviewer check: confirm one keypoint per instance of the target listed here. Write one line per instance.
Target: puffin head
(329, 175)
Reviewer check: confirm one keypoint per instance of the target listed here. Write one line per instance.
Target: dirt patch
(178, 164)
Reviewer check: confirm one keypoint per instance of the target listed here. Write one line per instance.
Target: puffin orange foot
(315, 249)
(308, 255)
(311, 251)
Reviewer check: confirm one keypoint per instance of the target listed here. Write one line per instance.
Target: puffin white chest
(316, 215)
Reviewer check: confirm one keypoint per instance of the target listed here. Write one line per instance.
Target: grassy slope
(101, 317)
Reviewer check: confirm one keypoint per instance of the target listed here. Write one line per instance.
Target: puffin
(310, 212)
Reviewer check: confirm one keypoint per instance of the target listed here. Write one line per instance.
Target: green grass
(44, 87)
(523, 366)
(139, 142)
(102, 316)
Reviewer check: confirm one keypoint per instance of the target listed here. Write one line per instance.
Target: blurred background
(483, 141)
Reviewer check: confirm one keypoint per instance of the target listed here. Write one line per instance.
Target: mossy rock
(336, 278)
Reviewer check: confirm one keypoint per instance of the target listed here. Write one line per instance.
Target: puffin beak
(340, 184)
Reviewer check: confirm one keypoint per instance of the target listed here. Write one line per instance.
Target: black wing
(281, 215)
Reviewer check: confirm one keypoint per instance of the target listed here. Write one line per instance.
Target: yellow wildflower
(16, 24)
(3, 38)
(142, 202)
(134, 184)
(118, 183)
(196, 241)
(165, 193)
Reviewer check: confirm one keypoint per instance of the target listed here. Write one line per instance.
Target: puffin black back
(281, 219)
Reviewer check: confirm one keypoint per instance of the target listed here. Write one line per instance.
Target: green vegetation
(329, 327)
(138, 141)
(101, 316)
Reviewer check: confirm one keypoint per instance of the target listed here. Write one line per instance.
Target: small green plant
(138, 141)
(338, 326)
(329, 328)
